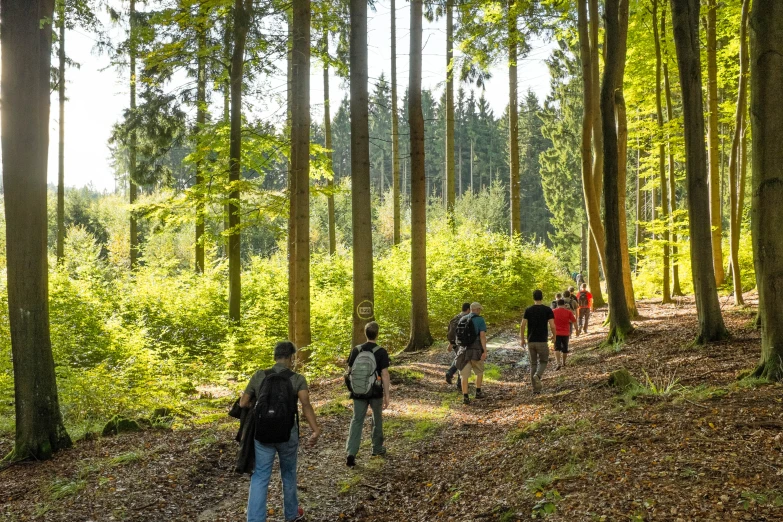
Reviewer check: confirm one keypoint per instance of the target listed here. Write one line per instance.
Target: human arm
(552, 327)
(522, 332)
(246, 400)
(483, 337)
(309, 414)
(386, 379)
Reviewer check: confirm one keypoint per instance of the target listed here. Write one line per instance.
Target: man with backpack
(585, 306)
(538, 319)
(557, 298)
(564, 319)
(580, 279)
(472, 352)
(451, 335)
(369, 382)
(273, 394)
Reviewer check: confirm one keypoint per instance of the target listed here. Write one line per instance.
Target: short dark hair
(466, 307)
(538, 295)
(284, 350)
(371, 330)
(561, 302)
(566, 294)
(559, 295)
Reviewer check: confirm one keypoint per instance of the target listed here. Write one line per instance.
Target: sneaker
(466, 400)
(351, 461)
(537, 383)
(480, 394)
(379, 453)
(299, 516)
(449, 378)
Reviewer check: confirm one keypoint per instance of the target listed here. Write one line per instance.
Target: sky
(97, 94)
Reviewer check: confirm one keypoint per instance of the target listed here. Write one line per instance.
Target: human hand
(385, 402)
(313, 438)
(484, 356)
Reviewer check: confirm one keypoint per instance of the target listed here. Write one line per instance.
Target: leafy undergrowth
(690, 441)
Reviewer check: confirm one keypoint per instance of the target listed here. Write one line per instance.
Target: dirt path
(694, 444)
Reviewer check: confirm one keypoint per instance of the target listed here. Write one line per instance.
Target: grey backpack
(363, 374)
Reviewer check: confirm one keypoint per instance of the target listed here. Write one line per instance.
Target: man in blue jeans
(265, 453)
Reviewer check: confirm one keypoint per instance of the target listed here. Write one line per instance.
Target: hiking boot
(380, 453)
(466, 400)
(351, 461)
(459, 384)
(537, 383)
(480, 394)
(449, 378)
(300, 516)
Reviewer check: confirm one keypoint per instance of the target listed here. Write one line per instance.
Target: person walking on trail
(571, 301)
(368, 381)
(564, 319)
(538, 318)
(472, 342)
(452, 338)
(273, 395)
(557, 298)
(585, 304)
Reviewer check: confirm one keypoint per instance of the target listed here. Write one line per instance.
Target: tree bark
(766, 114)
(734, 159)
(420, 324)
(513, 120)
(201, 120)
(395, 127)
(328, 144)
(619, 316)
(685, 15)
(292, 199)
(713, 141)
(61, 145)
(26, 46)
(241, 25)
(363, 293)
(450, 196)
(132, 188)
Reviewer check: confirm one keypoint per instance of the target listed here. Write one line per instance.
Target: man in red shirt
(564, 317)
(584, 300)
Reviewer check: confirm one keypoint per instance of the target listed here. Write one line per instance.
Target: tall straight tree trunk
(201, 120)
(622, 157)
(685, 15)
(395, 128)
(329, 155)
(241, 26)
(619, 316)
(513, 120)
(291, 183)
(300, 168)
(734, 160)
(61, 145)
(26, 46)
(420, 324)
(450, 197)
(672, 203)
(638, 201)
(363, 292)
(713, 140)
(766, 114)
(132, 189)
(666, 297)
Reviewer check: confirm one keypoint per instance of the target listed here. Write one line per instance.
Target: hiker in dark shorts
(452, 338)
(564, 319)
(538, 319)
(471, 357)
(585, 301)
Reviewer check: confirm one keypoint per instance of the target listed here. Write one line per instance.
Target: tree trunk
(619, 317)
(713, 141)
(291, 184)
(329, 155)
(395, 127)
(201, 120)
(241, 25)
(61, 144)
(363, 293)
(638, 201)
(450, 197)
(513, 120)
(134, 235)
(26, 46)
(766, 77)
(666, 297)
(420, 324)
(685, 15)
(734, 188)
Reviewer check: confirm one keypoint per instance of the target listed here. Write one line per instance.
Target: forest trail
(694, 444)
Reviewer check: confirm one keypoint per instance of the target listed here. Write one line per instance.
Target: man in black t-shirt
(538, 318)
(378, 402)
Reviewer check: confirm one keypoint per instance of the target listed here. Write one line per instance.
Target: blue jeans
(259, 481)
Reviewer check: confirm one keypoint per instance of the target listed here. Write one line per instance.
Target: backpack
(276, 408)
(584, 302)
(363, 374)
(452, 333)
(466, 331)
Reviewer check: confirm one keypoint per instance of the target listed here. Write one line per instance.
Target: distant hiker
(472, 342)
(452, 337)
(564, 318)
(538, 318)
(570, 302)
(273, 395)
(585, 302)
(573, 305)
(368, 381)
(580, 279)
(556, 299)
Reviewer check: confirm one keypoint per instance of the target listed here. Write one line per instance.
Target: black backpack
(466, 331)
(276, 408)
(451, 335)
(582, 298)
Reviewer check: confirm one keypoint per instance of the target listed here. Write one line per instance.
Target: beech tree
(666, 298)
(713, 141)
(26, 46)
(395, 137)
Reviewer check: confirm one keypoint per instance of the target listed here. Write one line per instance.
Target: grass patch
(492, 372)
(526, 431)
(333, 407)
(404, 375)
(125, 458)
(750, 383)
(703, 392)
(348, 484)
(422, 430)
(202, 443)
(749, 499)
(62, 488)
(540, 483)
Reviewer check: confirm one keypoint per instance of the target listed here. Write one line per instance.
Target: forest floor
(694, 443)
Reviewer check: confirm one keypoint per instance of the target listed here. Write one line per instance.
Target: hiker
(537, 319)
(573, 305)
(580, 279)
(273, 395)
(557, 298)
(472, 342)
(585, 302)
(564, 319)
(452, 337)
(570, 302)
(368, 381)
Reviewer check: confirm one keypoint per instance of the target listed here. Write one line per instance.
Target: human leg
(542, 351)
(288, 452)
(478, 369)
(357, 423)
(259, 482)
(533, 358)
(377, 426)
